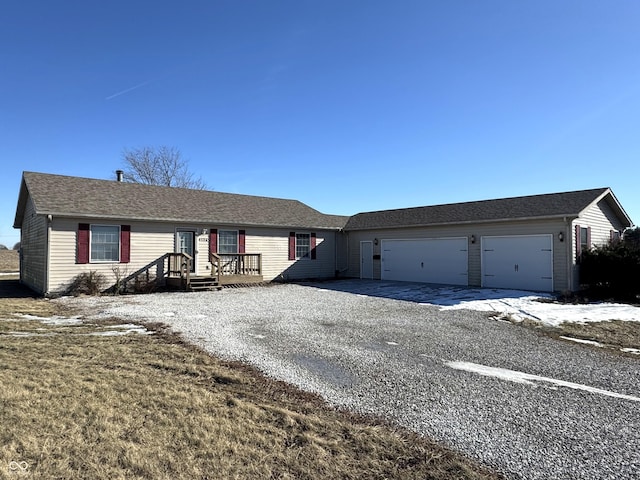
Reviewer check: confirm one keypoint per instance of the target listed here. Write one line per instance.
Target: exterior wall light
(473, 239)
(375, 241)
(561, 236)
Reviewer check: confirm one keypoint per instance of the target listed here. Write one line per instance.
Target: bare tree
(159, 166)
(16, 246)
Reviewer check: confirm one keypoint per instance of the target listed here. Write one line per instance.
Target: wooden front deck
(226, 269)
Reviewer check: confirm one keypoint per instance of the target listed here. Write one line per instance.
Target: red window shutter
(82, 249)
(292, 245)
(241, 241)
(578, 242)
(213, 240)
(313, 245)
(125, 243)
(588, 238)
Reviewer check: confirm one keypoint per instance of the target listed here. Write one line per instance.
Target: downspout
(335, 252)
(48, 256)
(568, 237)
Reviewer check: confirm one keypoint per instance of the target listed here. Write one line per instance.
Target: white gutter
(47, 261)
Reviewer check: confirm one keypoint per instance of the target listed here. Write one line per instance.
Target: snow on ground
(519, 306)
(102, 330)
(527, 378)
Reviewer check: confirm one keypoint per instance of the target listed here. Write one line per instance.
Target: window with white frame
(303, 245)
(227, 241)
(105, 243)
(584, 239)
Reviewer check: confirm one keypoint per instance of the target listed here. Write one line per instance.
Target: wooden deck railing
(235, 264)
(179, 266)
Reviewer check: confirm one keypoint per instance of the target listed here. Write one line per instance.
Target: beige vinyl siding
(342, 253)
(33, 249)
(601, 218)
(149, 242)
(273, 244)
(554, 227)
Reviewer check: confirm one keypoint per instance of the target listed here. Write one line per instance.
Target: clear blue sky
(347, 106)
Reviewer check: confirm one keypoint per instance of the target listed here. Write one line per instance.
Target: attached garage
(429, 260)
(522, 262)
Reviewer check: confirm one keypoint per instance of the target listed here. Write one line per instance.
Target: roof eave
(23, 195)
(181, 221)
(468, 222)
(617, 206)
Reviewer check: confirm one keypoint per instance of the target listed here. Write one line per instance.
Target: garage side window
(105, 243)
(583, 240)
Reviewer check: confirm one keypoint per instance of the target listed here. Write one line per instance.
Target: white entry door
(429, 260)
(366, 260)
(185, 243)
(522, 262)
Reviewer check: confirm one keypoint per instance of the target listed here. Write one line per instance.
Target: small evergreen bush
(612, 271)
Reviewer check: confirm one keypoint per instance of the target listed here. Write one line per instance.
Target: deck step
(199, 284)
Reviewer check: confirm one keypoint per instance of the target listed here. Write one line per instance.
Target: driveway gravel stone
(361, 350)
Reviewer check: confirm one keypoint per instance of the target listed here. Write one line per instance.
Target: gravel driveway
(426, 369)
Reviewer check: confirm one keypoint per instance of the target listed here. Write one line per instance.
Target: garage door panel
(519, 262)
(426, 260)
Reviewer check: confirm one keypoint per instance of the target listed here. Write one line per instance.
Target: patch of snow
(114, 333)
(581, 340)
(392, 343)
(114, 330)
(635, 351)
(529, 379)
(519, 308)
(55, 320)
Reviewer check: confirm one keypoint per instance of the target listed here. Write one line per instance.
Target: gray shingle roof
(568, 204)
(60, 195)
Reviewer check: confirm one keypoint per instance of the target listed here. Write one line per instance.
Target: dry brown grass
(74, 405)
(612, 334)
(9, 261)
(615, 333)
(9, 307)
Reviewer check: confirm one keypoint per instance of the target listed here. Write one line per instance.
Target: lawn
(80, 401)
(9, 261)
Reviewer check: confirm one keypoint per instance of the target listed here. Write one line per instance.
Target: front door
(185, 240)
(366, 259)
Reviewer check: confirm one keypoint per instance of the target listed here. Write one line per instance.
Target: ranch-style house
(195, 239)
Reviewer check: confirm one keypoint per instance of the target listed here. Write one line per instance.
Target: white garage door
(431, 260)
(523, 262)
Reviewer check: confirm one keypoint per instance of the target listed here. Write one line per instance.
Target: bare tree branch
(159, 166)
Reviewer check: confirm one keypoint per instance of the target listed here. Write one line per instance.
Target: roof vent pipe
(119, 175)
